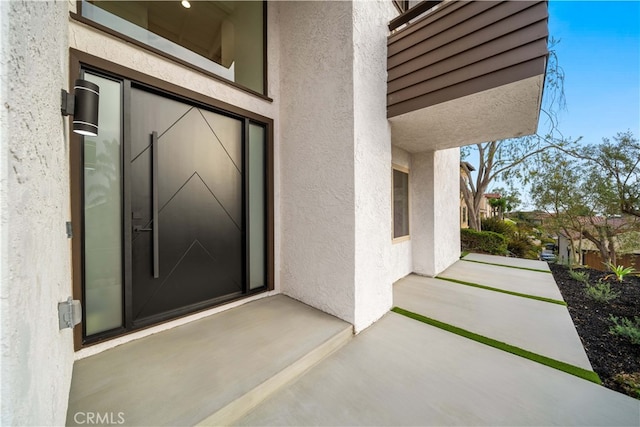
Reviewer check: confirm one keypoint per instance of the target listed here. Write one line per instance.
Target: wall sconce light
(83, 106)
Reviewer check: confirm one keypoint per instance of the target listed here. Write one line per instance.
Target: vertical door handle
(154, 201)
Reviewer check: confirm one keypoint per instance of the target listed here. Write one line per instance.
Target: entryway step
(208, 372)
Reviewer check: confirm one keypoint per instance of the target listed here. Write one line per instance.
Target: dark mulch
(609, 354)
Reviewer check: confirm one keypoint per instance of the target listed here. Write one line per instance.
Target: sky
(598, 47)
(599, 50)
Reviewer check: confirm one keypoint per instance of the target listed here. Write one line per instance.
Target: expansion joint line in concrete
(537, 270)
(489, 288)
(547, 361)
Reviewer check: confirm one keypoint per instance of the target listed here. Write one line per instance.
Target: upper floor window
(226, 38)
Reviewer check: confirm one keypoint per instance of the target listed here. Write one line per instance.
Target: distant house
(486, 210)
(572, 245)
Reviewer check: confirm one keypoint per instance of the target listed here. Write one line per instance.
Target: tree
(616, 165)
(509, 159)
(584, 197)
(508, 201)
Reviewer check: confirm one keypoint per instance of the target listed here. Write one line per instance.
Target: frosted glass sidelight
(103, 213)
(257, 208)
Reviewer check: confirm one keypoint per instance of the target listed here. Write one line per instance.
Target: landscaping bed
(612, 357)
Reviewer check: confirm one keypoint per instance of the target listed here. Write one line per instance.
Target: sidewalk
(402, 371)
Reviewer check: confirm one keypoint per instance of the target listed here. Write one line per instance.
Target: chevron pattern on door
(199, 206)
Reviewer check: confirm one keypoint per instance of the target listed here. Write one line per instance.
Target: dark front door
(186, 207)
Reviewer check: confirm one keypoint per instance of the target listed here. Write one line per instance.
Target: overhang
(467, 72)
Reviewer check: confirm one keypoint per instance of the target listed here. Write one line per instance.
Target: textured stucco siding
(37, 357)
(316, 155)
(373, 276)
(435, 204)
(335, 158)
(446, 202)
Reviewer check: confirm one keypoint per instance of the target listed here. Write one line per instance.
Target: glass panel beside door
(103, 212)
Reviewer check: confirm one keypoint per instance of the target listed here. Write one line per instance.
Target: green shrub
(626, 328)
(521, 246)
(620, 271)
(580, 276)
(483, 241)
(496, 225)
(601, 292)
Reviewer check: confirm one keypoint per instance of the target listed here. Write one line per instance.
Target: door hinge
(69, 229)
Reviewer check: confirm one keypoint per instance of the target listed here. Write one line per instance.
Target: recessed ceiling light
(186, 4)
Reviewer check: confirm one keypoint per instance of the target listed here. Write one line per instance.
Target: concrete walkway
(404, 372)
(401, 372)
(537, 326)
(512, 262)
(509, 279)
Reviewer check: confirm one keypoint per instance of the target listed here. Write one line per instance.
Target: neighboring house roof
(571, 235)
(492, 195)
(621, 225)
(616, 222)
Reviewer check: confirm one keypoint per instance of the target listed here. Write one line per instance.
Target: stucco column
(35, 258)
(435, 207)
(335, 156)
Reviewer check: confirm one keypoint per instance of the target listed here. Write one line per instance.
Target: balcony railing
(410, 12)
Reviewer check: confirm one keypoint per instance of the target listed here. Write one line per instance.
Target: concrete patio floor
(279, 362)
(215, 368)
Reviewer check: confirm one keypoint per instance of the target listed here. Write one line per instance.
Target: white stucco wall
(447, 208)
(372, 138)
(335, 158)
(435, 204)
(401, 252)
(316, 155)
(37, 357)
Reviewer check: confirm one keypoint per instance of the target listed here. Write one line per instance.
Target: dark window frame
(400, 238)
(78, 17)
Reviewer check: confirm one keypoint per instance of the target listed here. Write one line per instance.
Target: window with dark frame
(400, 202)
(223, 38)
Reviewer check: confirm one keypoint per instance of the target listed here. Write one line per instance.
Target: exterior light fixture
(83, 106)
(185, 4)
